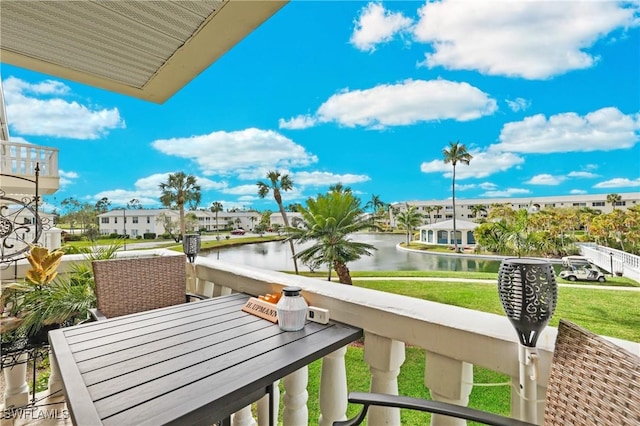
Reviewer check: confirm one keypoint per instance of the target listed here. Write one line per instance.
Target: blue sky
(545, 95)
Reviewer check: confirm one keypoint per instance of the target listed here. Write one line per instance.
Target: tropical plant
(456, 153)
(216, 207)
(328, 220)
(178, 190)
(45, 298)
(276, 182)
(134, 204)
(409, 219)
(170, 226)
(477, 209)
(190, 222)
(614, 199)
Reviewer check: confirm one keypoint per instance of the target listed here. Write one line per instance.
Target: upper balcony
(18, 162)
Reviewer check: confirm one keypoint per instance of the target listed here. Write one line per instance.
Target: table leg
(271, 403)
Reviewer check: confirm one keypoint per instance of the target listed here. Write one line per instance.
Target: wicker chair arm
(436, 407)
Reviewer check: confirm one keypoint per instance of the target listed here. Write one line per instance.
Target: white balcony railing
(454, 339)
(20, 159)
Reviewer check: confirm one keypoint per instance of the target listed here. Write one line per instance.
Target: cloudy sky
(545, 96)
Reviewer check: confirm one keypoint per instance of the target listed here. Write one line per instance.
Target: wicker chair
(127, 286)
(592, 382)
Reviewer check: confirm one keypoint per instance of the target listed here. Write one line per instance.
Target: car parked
(238, 231)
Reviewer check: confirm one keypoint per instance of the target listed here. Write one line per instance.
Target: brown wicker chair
(592, 382)
(127, 286)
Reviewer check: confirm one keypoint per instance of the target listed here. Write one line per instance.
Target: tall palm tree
(216, 207)
(614, 199)
(276, 183)
(456, 153)
(328, 220)
(409, 219)
(178, 190)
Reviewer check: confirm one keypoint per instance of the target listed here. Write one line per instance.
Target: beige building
(465, 208)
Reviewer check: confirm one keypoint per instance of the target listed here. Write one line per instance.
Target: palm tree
(276, 183)
(456, 153)
(328, 220)
(377, 207)
(614, 199)
(179, 190)
(216, 207)
(477, 209)
(409, 219)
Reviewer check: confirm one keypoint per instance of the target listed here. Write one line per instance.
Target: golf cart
(579, 268)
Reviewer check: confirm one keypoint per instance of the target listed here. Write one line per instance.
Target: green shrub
(149, 235)
(72, 237)
(138, 237)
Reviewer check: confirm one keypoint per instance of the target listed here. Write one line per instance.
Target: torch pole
(527, 356)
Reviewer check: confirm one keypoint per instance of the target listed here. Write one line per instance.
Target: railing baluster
(384, 356)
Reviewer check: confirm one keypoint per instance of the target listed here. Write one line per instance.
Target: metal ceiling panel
(147, 49)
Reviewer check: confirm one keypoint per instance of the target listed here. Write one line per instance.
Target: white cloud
(618, 183)
(147, 190)
(67, 178)
(518, 104)
(482, 165)
(488, 186)
(465, 187)
(529, 39)
(246, 153)
(298, 122)
(377, 25)
(120, 197)
(577, 191)
(242, 190)
(55, 116)
(326, 178)
(606, 129)
(407, 103)
(509, 192)
(583, 175)
(546, 179)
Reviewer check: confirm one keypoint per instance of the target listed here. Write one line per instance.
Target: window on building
(579, 204)
(134, 219)
(550, 205)
(115, 219)
(148, 219)
(620, 203)
(597, 204)
(104, 220)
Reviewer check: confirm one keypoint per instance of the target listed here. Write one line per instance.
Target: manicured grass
(609, 312)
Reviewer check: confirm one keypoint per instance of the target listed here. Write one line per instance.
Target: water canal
(277, 256)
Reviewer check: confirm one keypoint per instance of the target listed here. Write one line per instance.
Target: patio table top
(195, 363)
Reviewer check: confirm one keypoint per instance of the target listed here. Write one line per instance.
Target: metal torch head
(191, 246)
(529, 293)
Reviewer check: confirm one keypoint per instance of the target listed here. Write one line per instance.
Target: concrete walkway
(492, 282)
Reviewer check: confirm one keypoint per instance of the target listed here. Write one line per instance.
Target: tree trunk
(182, 224)
(343, 272)
(286, 223)
(453, 198)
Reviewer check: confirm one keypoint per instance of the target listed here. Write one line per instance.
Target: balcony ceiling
(146, 49)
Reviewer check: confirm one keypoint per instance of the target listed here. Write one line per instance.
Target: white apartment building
(138, 222)
(276, 218)
(465, 207)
